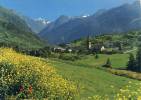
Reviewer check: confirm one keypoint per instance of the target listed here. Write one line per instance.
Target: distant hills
(14, 31)
(124, 18)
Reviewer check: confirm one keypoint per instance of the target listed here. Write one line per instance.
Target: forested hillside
(15, 32)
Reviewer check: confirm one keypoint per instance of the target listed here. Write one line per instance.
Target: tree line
(134, 63)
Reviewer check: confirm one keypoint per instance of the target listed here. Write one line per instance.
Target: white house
(102, 48)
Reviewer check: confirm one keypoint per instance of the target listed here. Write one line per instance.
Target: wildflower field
(29, 77)
(126, 93)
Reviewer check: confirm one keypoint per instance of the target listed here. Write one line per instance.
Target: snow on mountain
(84, 16)
(42, 20)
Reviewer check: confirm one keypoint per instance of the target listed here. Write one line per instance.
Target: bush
(30, 77)
(96, 56)
(42, 52)
(112, 52)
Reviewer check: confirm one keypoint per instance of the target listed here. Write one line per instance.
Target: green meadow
(91, 80)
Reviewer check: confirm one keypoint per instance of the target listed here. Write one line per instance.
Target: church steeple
(89, 44)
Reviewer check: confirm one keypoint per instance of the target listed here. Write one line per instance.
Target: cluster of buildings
(89, 46)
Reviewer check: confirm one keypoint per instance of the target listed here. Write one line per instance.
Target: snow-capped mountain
(124, 18)
(42, 20)
(36, 24)
(84, 16)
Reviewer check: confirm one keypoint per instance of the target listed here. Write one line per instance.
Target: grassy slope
(93, 80)
(14, 31)
(23, 40)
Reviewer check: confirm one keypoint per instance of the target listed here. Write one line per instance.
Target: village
(90, 47)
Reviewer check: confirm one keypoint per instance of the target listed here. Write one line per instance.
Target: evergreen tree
(120, 46)
(108, 63)
(138, 60)
(131, 63)
(96, 56)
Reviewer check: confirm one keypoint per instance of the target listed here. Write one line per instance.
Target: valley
(87, 57)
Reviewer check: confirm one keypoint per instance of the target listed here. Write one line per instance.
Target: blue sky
(51, 9)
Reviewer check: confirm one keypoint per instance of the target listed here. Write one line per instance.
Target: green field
(94, 81)
(117, 60)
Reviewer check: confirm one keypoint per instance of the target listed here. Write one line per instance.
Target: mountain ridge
(115, 20)
(36, 25)
(14, 31)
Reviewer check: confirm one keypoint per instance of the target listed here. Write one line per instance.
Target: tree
(108, 63)
(96, 56)
(131, 63)
(120, 46)
(138, 60)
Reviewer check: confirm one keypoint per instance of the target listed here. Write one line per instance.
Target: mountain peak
(87, 15)
(42, 20)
